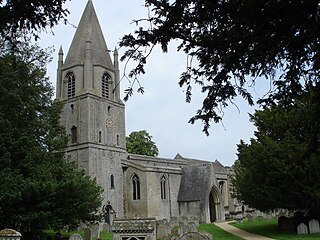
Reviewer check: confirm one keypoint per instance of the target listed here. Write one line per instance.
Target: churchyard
(166, 231)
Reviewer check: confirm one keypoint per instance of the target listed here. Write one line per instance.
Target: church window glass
(136, 187)
(71, 85)
(163, 190)
(105, 85)
(74, 134)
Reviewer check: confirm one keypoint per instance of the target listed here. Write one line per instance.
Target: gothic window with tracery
(136, 187)
(163, 190)
(105, 85)
(71, 85)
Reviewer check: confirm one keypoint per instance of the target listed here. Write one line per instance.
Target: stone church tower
(93, 114)
(134, 186)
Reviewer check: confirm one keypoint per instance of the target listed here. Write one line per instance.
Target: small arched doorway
(214, 205)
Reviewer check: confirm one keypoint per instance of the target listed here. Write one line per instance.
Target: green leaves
(141, 143)
(280, 166)
(31, 16)
(230, 44)
(38, 189)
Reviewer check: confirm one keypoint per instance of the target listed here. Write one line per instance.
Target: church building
(134, 186)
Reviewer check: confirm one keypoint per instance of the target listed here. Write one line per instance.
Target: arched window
(163, 189)
(105, 85)
(136, 187)
(74, 134)
(71, 85)
(112, 181)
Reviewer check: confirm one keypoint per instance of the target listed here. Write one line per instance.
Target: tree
(140, 142)
(230, 45)
(38, 189)
(279, 168)
(32, 16)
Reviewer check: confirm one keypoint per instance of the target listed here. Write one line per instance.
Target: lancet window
(136, 187)
(71, 85)
(105, 85)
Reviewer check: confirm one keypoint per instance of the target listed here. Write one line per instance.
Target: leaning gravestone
(9, 234)
(314, 226)
(302, 229)
(75, 236)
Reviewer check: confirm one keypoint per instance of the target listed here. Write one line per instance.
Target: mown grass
(217, 233)
(269, 228)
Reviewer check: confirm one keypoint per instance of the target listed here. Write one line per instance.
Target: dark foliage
(30, 16)
(279, 168)
(231, 44)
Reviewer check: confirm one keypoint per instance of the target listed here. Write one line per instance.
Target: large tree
(140, 142)
(38, 189)
(30, 16)
(279, 168)
(230, 45)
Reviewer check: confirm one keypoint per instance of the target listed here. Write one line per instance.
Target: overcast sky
(162, 110)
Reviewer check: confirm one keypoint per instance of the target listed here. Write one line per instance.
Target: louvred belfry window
(105, 85)
(71, 85)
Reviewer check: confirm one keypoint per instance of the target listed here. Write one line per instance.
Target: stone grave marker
(75, 236)
(87, 234)
(193, 236)
(302, 229)
(314, 226)
(163, 229)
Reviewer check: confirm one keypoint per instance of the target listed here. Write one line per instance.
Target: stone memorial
(314, 226)
(193, 236)
(302, 229)
(75, 236)
(285, 224)
(87, 234)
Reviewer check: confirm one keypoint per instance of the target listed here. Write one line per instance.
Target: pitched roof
(88, 30)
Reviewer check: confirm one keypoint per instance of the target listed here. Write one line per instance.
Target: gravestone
(192, 227)
(87, 234)
(314, 226)
(193, 236)
(183, 229)
(285, 224)
(183, 220)
(174, 221)
(75, 236)
(9, 234)
(195, 220)
(302, 229)
(163, 229)
(250, 217)
(95, 231)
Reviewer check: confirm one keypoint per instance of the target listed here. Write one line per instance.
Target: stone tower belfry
(93, 114)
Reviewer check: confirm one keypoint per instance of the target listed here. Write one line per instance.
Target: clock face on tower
(109, 122)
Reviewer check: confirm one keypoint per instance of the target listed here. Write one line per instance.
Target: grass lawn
(217, 233)
(269, 228)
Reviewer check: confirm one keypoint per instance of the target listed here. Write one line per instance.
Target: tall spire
(89, 28)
